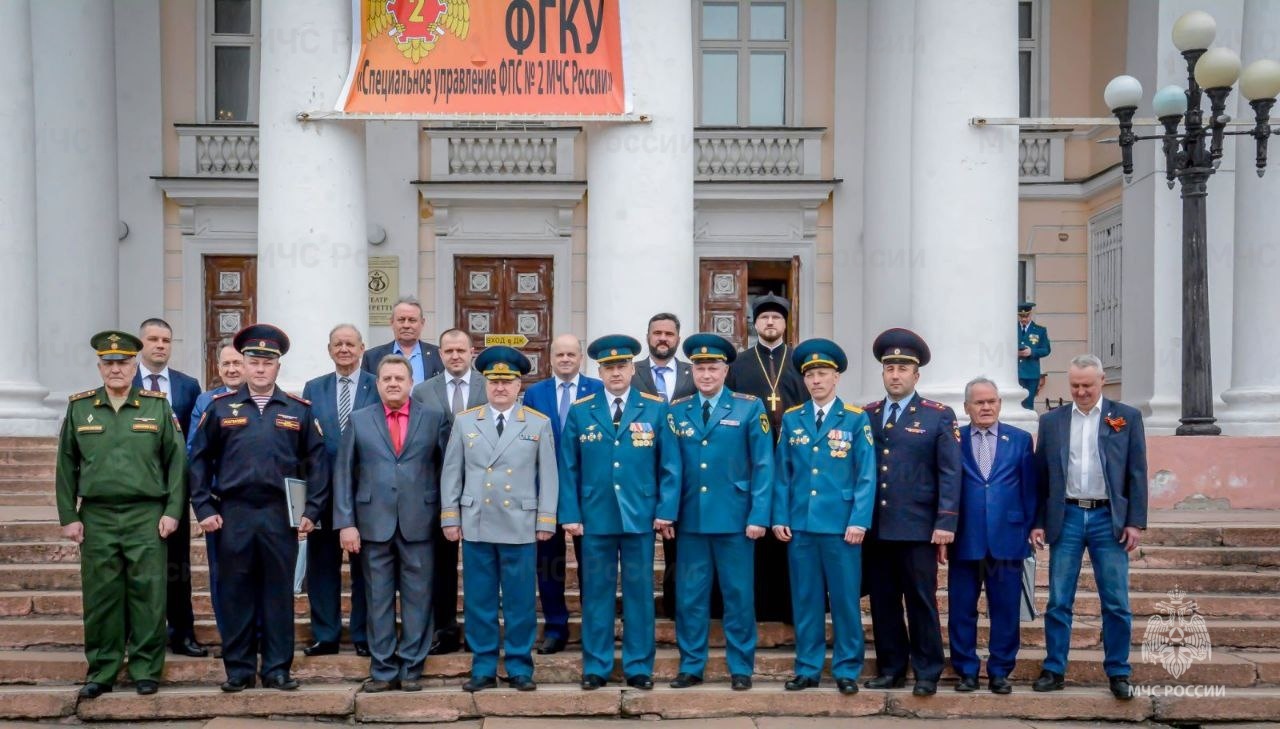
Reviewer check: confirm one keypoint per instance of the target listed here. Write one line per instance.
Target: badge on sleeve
(866, 431)
(764, 423)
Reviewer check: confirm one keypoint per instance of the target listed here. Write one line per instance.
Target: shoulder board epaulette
(531, 411)
(852, 408)
(793, 408)
(221, 395)
(932, 404)
(873, 405)
(151, 393)
(651, 396)
(684, 399)
(745, 396)
(472, 410)
(81, 395)
(299, 398)
(583, 399)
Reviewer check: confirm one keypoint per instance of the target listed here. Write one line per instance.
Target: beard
(661, 351)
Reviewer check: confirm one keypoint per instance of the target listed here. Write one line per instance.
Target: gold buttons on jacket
(813, 492)
(704, 465)
(617, 487)
(506, 502)
(704, 442)
(815, 472)
(703, 489)
(617, 465)
(488, 501)
(884, 503)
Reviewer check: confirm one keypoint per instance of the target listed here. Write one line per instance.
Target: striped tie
(984, 453)
(344, 402)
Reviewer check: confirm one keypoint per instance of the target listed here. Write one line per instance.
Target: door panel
(723, 289)
(230, 296)
(507, 296)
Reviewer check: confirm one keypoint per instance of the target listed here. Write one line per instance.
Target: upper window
(230, 64)
(1032, 42)
(744, 61)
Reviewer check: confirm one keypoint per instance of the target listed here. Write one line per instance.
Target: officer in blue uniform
(247, 443)
(726, 453)
(619, 482)
(822, 507)
(1033, 345)
(916, 509)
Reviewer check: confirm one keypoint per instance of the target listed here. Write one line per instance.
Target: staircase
(1227, 562)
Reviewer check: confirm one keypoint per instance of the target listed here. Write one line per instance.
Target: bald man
(552, 397)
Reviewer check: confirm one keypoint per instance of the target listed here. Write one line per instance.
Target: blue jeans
(1091, 529)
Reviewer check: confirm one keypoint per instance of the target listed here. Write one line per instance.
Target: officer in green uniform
(121, 454)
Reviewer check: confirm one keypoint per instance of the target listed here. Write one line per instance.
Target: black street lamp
(1190, 158)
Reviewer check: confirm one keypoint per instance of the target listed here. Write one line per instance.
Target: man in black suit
(406, 323)
(181, 391)
(661, 373)
(333, 398)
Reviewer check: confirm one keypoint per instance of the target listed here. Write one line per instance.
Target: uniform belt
(1089, 503)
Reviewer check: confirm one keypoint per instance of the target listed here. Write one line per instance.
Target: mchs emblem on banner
(1177, 638)
(418, 25)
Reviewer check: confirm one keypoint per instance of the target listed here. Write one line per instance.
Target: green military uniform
(127, 468)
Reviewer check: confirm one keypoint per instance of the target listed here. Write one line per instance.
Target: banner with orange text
(490, 58)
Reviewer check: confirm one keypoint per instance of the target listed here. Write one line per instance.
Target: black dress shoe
(280, 682)
(591, 682)
(551, 644)
(967, 684)
(374, 686)
(1049, 681)
(522, 683)
(847, 686)
(1120, 687)
(362, 649)
(739, 682)
(641, 681)
(800, 683)
(236, 685)
(188, 647)
(685, 680)
(146, 688)
(321, 648)
(924, 687)
(999, 685)
(444, 643)
(475, 684)
(885, 682)
(93, 690)
(411, 684)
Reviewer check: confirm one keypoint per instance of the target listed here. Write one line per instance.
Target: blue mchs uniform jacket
(826, 479)
(917, 471)
(727, 464)
(618, 479)
(1035, 338)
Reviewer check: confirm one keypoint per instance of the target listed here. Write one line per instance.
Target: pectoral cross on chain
(773, 401)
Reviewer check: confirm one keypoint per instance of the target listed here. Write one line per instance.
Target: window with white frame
(230, 64)
(1106, 244)
(744, 61)
(1032, 44)
(1026, 278)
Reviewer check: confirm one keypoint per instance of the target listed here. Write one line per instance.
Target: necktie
(395, 431)
(984, 453)
(617, 410)
(155, 382)
(456, 403)
(818, 425)
(706, 411)
(893, 413)
(344, 402)
(564, 402)
(501, 419)
(660, 381)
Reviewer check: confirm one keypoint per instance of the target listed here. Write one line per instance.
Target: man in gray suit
(661, 373)
(456, 389)
(498, 494)
(385, 501)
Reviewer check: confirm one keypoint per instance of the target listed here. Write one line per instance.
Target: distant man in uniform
(249, 443)
(822, 506)
(406, 322)
(120, 454)
(619, 482)
(918, 499)
(1033, 345)
(498, 495)
(726, 460)
(766, 371)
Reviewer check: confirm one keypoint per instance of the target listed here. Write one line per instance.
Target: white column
(311, 207)
(964, 198)
(887, 182)
(22, 410)
(77, 215)
(1253, 402)
(640, 256)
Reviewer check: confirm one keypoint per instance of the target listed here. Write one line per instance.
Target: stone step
(27, 498)
(40, 456)
(44, 471)
(1244, 558)
(26, 485)
(343, 702)
(16, 442)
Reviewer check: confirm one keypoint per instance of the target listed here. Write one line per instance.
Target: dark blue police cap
(898, 346)
(261, 340)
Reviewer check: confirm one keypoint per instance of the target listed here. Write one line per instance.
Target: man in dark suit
(387, 504)
(1033, 346)
(450, 392)
(1092, 459)
(406, 322)
(333, 398)
(998, 499)
(918, 498)
(181, 390)
(552, 397)
(661, 373)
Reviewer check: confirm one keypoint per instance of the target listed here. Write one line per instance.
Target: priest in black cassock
(766, 371)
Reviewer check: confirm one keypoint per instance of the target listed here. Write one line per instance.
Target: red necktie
(395, 431)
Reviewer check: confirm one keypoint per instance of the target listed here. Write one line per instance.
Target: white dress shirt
(668, 377)
(1084, 465)
(465, 387)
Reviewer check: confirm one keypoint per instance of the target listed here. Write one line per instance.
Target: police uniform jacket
(826, 478)
(112, 457)
(500, 489)
(726, 465)
(243, 454)
(917, 471)
(1036, 338)
(617, 479)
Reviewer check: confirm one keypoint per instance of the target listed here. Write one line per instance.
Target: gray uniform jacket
(500, 489)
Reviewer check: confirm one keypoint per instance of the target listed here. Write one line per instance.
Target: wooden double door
(230, 304)
(502, 295)
(728, 287)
